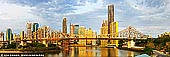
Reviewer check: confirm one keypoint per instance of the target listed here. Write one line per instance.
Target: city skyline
(149, 18)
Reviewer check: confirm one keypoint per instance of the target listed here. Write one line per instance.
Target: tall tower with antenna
(110, 16)
(29, 32)
(64, 25)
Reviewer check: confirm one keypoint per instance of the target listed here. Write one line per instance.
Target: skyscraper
(89, 33)
(71, 30)
(81, 32)
(22, 35)
(110, 16)
(114, 29)
(76, 28)
(1, 36)
(34, 30)
(9, 35)
(29, 32)
(64, 25)
(46, 31)
(35, 27)
(104, 28)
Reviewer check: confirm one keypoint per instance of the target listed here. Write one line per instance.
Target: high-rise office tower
(1, 36)
(35, 27)
(110, 16)
(9, 35)
(114, 29)
(45, 31)
(81, 32)
(76, 28)
(40, 33)
(16, 37)
(29, 32)
(71, 29)
(89, 33)
(22, 35)
(64, 25)
(104, 28)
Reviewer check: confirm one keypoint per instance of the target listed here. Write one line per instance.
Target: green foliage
(11, 46)
(161, 41)
(167, 50)
(51, 45)
(40, 45)
(120, 43)
(148, 50)
(159, 44)
(140, 42)
(35, 44)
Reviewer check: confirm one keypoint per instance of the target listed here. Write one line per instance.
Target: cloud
(89, 19)
(49, 12)
(89, 6)
(147, 6)
(15, 17)
(150, 16)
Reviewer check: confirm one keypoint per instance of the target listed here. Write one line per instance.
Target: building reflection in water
(66, 52)
(93, 52)
(130, 53)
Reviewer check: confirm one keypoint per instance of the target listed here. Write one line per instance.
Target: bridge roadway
(58, 39)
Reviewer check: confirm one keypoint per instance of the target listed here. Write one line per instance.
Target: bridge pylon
(45, 43)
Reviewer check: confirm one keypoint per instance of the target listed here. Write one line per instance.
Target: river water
(93, 52)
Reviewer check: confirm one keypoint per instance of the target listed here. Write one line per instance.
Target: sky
(148, 16)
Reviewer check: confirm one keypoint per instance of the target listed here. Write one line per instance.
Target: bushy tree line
(161, 43)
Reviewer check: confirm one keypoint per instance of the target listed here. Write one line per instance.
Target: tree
(11, 46)
(51, 45)
(35, 44)
(148, 50)
(150, 45)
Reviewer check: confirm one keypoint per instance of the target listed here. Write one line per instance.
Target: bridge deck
(57, 39)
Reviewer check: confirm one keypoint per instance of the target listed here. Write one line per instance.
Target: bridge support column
(114, 42)
(82, 42)
(93, 42)
(104, 42)
(45, 43)
(117, 43)
(56, 43)
(22, 43)
(131, 43)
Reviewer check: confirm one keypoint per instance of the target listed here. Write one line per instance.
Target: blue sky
(148, 16)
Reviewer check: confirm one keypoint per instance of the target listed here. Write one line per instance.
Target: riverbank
(132, 49)
(158, 53)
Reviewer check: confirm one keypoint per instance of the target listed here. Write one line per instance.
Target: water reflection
(94, 52)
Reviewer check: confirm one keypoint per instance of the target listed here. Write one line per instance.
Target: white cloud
(153, 30)
(147, 6)
(12, 11)
(89, 6)
(15, 17)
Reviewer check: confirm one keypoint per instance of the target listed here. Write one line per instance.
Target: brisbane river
(93, 52)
